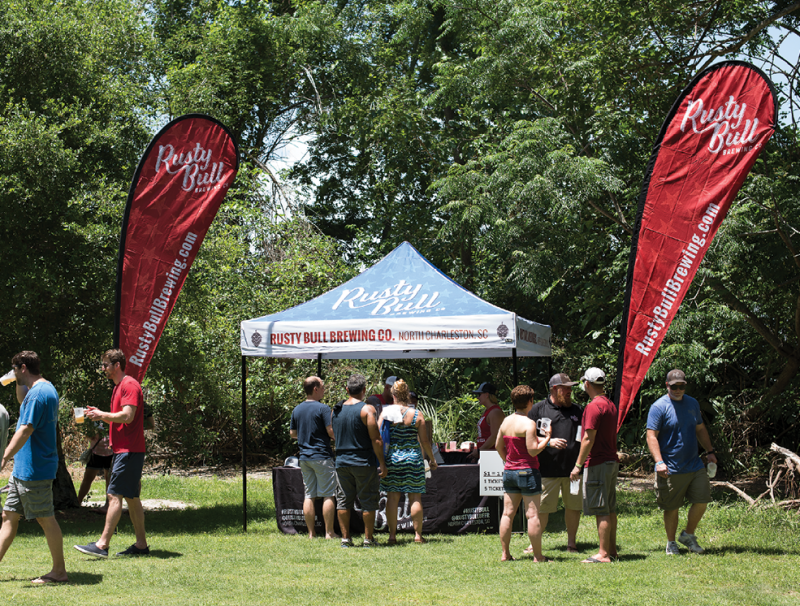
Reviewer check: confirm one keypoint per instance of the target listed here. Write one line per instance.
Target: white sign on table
(491, 474)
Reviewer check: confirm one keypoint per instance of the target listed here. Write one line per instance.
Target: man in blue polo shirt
(311, 427)
(674, 427)
(35, 452)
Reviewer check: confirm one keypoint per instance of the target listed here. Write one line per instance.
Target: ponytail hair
(400, 391)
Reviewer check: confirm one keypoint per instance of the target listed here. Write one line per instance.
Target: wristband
(711, 452)
(659, 463)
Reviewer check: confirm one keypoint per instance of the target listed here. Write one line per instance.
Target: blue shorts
(126, 474)
(527, 482)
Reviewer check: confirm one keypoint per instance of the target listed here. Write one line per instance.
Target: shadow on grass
(743, 549)
(222, 517)
(75, 578)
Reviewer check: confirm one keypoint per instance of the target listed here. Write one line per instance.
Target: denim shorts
(527, 482)
(126, 474)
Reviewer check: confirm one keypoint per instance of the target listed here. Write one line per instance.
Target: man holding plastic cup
(34, 449)
(674, 427)
(557, 460)
(126, 437)
(599, 453)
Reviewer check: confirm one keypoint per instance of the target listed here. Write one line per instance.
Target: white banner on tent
(473, 336)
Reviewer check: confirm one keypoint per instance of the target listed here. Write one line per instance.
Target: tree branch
(731, 301)
(750, 35)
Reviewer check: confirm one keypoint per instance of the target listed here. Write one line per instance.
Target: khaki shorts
(550, 489)
(693, 487)
(600, 489)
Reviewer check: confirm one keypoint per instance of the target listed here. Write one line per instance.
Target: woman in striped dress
(406, 469)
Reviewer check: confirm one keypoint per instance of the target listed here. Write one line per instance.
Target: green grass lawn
(201, 556)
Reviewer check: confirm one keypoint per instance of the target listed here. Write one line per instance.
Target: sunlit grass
(201, 556)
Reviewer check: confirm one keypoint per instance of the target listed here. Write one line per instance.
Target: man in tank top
(359, 453)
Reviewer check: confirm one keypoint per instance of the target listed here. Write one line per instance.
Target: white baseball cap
(594, 375)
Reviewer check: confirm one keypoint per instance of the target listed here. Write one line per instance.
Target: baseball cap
(594, 375)
(675, 376)
(390, 380)
(486, 388)
(561, 379)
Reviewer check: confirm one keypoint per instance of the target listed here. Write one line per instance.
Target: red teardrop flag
(176, 192)
(707, 145)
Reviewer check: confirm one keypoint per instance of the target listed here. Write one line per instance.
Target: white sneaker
(690, 541)
(672, 548)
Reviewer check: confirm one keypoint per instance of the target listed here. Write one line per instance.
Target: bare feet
(420, 540)
(332, 535)
(541, 560)
(507, 558)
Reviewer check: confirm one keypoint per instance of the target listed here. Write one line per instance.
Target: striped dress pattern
(406, 470)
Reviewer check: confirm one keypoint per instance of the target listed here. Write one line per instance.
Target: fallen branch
(741, 493)
(758, 498)
(786, 453)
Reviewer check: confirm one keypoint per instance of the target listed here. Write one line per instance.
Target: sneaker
(347, 543)
(133, 550)
(690, 541)
(672, 548)
(372, 543)
(93, 550)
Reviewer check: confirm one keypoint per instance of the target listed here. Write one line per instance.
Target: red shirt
(601, 415)
(127, 437)
(517, 455)
(484, 431)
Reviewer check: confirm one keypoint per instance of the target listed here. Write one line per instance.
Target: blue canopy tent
(401, 307)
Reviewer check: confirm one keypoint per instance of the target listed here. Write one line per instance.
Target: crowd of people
(34, 449)
(551, 449)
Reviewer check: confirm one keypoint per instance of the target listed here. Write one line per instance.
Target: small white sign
(491, 474)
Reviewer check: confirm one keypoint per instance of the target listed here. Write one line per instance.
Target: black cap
(486, 388)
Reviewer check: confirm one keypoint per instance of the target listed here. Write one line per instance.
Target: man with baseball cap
(557, 460)
(674, 427)
(599, 453)
(386, 397)
(490, 420)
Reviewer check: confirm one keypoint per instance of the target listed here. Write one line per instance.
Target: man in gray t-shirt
(311, 427)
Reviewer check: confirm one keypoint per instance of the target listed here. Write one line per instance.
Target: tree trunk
(64, 495)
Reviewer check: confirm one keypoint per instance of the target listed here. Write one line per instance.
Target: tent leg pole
(244, 444)
(319, 365)
(514, 361)
(549, 368)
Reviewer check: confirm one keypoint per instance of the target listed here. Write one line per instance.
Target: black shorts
(98, 462)
(126, 474)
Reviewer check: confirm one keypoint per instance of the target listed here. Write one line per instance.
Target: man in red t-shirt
(599, 453)
(126, 435)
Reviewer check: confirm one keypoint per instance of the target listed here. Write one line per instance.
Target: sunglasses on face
(678, 387)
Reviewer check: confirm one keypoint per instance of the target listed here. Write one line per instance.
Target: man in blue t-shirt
(35, 453)
(311, 427)
(674, 427)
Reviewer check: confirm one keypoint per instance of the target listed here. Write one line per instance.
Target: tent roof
(401, 307)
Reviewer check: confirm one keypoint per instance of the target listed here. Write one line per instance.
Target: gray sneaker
(672, 548)
(690, 541)
(93, 550)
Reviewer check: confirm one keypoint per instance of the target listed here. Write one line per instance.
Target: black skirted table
(451, 504)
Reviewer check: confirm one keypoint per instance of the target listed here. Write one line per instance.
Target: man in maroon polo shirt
(126, 435)
(599, 453)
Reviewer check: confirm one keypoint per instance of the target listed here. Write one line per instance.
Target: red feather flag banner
(707, 145)
(178, 187)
